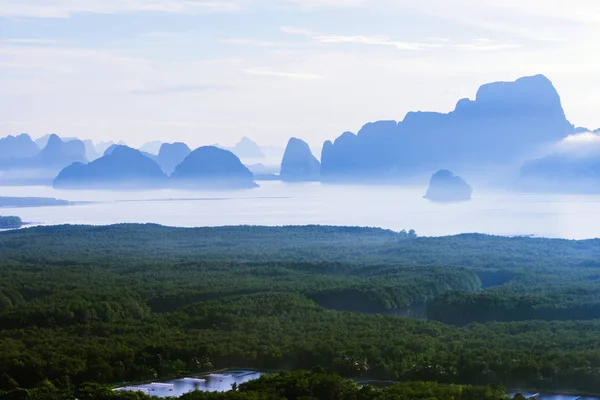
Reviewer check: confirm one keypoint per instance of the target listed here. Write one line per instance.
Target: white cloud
(311, 4)
(292, 30)
(260, 43)
(583, 144)
(290, 75)
(32, 41)
(179, 89)
(478, 44)
(375, 40)
(67, 8)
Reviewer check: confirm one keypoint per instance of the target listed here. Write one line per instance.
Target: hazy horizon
(213, 72)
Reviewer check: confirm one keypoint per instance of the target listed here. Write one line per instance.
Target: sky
(213, 71)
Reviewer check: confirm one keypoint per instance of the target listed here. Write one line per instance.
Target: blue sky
(214, 71)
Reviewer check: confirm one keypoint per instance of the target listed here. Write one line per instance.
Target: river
(220, 382)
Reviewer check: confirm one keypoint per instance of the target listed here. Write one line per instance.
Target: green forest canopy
(125, 303)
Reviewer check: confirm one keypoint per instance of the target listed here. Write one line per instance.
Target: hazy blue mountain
(444, 186)
(42, 141)
(90, 150)
(122, 168)
(261, 169)
(101, 147)
(114, 146)
(580, 129)
(17, 147)
(151, 147)
(171, 155)
(562, 172)
(110, 149)
(246, 148)
(298, 163)
(58, 153)
(262, 172)
(213, 168)
(505, 122)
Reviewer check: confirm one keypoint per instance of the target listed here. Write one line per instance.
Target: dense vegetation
(133, 302)
(10, 222)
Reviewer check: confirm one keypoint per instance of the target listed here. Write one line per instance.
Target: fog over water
(277, 203)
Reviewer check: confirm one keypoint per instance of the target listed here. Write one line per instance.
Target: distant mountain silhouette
(172, 154)
(43, 140)
(298, 163)
(264, 173)
(505, 122)
(17, 147)
(562, 173)
(580, 129)
(246, 148)
(111, 148)
(90, 150)
(59, 153)
(101, 147)
(151, 147)
(114, 146)
(213, 168)
(444, 186)
(121, 168)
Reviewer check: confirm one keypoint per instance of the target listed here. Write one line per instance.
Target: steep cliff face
(444, 186)
(298, 163)
(505, 122)
(212, 168)
(122, 168)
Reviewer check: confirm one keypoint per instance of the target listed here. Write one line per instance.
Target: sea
(275, 203)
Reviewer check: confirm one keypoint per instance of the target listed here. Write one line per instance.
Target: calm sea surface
(278, 203)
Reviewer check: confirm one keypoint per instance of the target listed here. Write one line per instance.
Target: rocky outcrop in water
(210, 167)
(122, 168)
(444, 186)
(298, 163)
